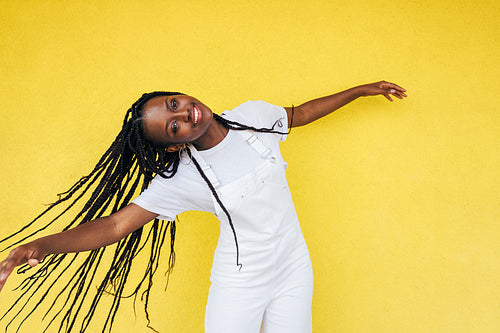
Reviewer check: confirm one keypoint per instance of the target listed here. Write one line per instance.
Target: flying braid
(127, 166)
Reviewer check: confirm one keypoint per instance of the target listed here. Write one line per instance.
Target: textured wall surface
(398, 201)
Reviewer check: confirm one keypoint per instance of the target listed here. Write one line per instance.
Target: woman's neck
(215, 133)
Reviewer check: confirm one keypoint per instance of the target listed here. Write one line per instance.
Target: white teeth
(196, 113)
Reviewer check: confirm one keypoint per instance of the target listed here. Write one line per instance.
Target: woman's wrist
(361, 90)
(38, 249)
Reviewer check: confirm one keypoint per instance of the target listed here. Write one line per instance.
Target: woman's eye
(174, 104)
(175, 127)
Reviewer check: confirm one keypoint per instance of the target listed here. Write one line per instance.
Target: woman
(229, 165)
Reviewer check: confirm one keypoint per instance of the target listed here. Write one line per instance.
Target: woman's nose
(183, 114)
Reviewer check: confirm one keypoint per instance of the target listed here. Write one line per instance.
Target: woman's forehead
(155, 102)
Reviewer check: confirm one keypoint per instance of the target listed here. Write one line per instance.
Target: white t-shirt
(231, 159)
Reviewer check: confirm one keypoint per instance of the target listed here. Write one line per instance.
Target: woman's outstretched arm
(88, 236)
(320, 107)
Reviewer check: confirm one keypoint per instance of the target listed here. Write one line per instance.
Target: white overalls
(274, 286)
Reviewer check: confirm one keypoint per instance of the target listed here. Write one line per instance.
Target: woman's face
(175, 120)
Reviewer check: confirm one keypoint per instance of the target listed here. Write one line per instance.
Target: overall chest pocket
(257, 202)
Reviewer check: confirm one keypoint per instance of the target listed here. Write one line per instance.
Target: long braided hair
(128, 165)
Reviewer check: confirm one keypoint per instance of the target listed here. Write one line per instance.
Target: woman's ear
(176, 147)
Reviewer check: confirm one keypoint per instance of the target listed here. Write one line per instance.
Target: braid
(238, 127)
(214, 193)
(241, 127)
(128, 165)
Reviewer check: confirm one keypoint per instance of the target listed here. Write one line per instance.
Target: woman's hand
(383, 88)
(29, 253)
(87, 236)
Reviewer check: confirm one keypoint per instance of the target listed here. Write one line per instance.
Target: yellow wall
(398, 201)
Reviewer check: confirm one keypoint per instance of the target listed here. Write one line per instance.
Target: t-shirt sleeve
(153, 199)
(260, 114)
(169, 197)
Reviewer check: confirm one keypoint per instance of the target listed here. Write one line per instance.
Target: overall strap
(207, 168)
(257, 145)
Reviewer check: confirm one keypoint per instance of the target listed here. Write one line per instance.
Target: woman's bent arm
(320, 107)
(88, 236)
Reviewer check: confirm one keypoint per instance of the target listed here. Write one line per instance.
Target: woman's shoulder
(257, 113)
(253, 106)
(186, 175)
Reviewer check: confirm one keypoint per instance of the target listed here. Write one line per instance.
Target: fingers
(16, 257)
(33, 262)
(393, 89)
(396, 87)
(397, 94)
(6, 267)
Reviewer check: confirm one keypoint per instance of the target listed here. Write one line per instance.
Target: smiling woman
(261, 273)
(176, 120)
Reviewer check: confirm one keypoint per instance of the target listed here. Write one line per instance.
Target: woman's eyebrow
(166, 125)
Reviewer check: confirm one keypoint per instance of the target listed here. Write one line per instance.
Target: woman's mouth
(196, 115)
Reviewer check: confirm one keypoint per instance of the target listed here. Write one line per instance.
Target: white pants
(286, 309)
